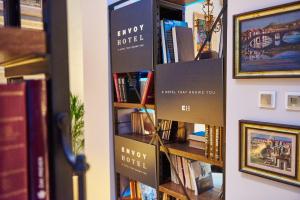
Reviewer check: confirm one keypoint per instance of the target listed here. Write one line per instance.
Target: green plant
(77, 120)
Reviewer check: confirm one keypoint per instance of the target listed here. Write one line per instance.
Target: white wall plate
(267, 99)
(292, 101)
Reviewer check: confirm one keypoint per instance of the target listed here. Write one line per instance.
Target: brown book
(196, 144)
(13, 143)
(38, 139)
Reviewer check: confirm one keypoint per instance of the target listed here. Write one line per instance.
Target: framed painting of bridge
(267, 43)
(270, 151)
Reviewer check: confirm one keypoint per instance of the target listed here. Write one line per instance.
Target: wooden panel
(191, 153)
(133, 105)
(176, 191)
(16, 43)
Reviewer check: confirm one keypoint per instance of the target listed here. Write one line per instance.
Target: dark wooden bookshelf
(183, 150)
(133, 105)
(174, 190)
(169, 9)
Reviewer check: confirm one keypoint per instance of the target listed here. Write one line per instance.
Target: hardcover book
(167, 38)
(183, 44)
(13, 143)
(38, 140)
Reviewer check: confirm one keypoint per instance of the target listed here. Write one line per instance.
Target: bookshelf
(31, 52)
(124, 62)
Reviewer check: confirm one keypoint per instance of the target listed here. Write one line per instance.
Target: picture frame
(267, 43)
(270, 151)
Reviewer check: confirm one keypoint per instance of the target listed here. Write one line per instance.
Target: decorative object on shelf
(267, 42)
(199, 32)
(77, 120)
(270, 151)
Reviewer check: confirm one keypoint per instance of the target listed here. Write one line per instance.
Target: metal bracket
(77, 162)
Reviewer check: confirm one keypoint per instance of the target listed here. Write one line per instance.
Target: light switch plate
(267, 99)
(292, 101)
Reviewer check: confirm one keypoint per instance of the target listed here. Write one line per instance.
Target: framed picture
(267, 43)
(270, 151)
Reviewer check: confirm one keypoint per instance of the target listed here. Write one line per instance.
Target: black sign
(131, 30)
(136, 160)
(191, 92)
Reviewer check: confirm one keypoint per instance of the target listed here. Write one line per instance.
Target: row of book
(195, 175)
(143, 123)
(177, 41)
(131, 189)
(134, 88)
(24, 170)
(207, 138)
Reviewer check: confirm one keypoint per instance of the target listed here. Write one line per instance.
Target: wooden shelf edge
(191, 155)
(133, 105)
(175, 190)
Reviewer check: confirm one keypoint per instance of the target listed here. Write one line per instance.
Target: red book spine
(115, 76)
(147, 88)
(13, 143)
(38, 137)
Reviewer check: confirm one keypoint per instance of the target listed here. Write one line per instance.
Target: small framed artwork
(270, 151)
(267, 99)
(267, 43)
(292, 100)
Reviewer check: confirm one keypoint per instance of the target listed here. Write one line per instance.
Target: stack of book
(177, 41)
(141, 123)
(165, 127)
(195, 175)
(24, 170)
(196, 137)
(134, 89)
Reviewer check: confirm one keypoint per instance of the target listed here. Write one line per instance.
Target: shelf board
(176, 191)
(133, 105)
(191, 153)
(19, 43)
(29, 66)
(137, 137)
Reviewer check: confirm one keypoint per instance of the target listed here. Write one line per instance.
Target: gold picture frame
(267, 43)
(270, 151)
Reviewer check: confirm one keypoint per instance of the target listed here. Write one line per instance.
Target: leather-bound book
(38, 137)
(13, 143)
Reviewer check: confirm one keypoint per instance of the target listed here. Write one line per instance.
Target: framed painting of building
(270, 151)
(267, 43)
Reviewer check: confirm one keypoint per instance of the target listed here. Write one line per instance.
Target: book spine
(123, 86)
(175, 45)
(207, 136)
(147, 88)
(163, 42)
(115, 76)
(211, 143)
(37, 133)
(120, 89)
(133, 193)
(217, 146)
(13, 143)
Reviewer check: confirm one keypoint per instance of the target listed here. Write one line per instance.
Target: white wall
(100, 180)
(75, 47)
(242, 98)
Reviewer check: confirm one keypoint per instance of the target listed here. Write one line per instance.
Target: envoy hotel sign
(131, 37)
(136, 160)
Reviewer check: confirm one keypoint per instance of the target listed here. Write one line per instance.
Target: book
(120, 89)
(187, 178)
(133, 193)
(180, 169)
(123, 88)
(147, 124)
(124, 125)
(183, 44)
(13, 143)
(196, 144)
(147, 192)
(167, 38)
(147, 95)
(207, 137)
(132, 86)
(38, 139)
(201, 176)
(117, 90)
(212, 142)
